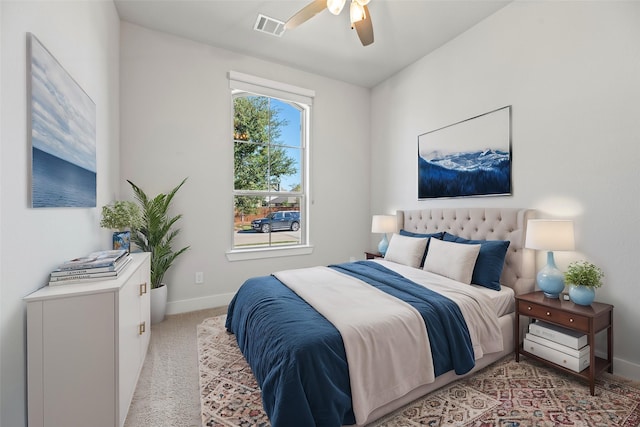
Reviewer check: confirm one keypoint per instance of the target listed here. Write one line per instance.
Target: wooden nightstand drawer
(557, 316)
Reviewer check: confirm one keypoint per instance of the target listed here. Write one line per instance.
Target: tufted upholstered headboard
(485, 224)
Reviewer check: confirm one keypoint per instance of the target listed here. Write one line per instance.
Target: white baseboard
(621, 367)
(626, 369)
(195, 304)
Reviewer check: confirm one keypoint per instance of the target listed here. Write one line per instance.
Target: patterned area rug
(506, 394)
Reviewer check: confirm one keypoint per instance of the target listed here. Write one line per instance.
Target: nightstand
(373, 255)
(588, 319)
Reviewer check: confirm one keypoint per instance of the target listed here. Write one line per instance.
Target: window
(270, 143)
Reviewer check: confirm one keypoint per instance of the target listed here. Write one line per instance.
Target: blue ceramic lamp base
(383, 245)
(550, 279)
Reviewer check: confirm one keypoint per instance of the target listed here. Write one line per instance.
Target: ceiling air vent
(269, 25)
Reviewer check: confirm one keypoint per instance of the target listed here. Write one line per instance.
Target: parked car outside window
(280, 220)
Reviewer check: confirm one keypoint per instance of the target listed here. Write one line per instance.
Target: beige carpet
(167, 394)
(504, 394)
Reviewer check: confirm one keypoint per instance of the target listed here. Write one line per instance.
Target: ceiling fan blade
(306, 13)
(364, 28)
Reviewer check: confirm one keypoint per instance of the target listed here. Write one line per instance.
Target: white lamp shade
(550, 235)
(383, 224)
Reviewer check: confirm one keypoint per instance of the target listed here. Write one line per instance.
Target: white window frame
(238, 83)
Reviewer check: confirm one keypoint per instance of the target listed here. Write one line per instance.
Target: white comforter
(385, 339)
(476, 307)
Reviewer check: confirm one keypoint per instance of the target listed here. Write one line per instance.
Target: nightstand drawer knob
(529, 308)
(548, 314)
(570, 320)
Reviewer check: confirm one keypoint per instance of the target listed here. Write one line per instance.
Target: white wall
(570, 70)
(0, 211)
(83, 36)
(176, 122)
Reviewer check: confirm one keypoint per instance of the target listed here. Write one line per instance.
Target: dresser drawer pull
(143, 288)
(142, 328)
(529, 308)
(570, 320)
(548, 313)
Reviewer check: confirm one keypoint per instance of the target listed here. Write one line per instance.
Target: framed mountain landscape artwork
(467, 158)
(63, 134)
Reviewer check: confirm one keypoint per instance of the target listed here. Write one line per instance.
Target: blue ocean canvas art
(63, 135)
(468, 158)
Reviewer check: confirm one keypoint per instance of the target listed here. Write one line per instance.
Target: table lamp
(550, 235)
(383, 224)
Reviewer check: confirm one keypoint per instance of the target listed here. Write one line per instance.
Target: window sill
(247, 254)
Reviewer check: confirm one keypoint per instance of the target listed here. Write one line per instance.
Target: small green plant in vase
(121, 217)
(583, 278)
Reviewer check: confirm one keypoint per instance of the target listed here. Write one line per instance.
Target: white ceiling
(404, 31)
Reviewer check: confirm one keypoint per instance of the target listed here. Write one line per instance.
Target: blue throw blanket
(298, 357)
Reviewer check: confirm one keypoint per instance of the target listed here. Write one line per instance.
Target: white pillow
(453, 260)
(406, 250)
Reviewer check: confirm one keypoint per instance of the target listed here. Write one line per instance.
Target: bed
(349, 343)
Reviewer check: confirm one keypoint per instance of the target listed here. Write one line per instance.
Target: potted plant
(156, 235)
(121, 217)
(583, 277)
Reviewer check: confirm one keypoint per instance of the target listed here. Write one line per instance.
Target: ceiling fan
(359, 14)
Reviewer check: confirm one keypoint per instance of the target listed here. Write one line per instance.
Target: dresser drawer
(560, 317)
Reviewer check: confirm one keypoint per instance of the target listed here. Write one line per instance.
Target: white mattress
(503, 300)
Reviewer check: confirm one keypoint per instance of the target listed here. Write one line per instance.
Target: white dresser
(86, 344)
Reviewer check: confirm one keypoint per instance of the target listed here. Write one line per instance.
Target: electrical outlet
(199, 277)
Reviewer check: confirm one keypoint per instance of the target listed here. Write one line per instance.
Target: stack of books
(559, 345)
(102, 265)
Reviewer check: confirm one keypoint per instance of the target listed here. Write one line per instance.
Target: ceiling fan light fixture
(356, 12)
(335, 6)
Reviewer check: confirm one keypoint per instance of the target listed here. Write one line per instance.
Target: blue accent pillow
(490, 260)
(438, 235)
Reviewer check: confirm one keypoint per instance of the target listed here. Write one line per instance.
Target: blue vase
(582, 295)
